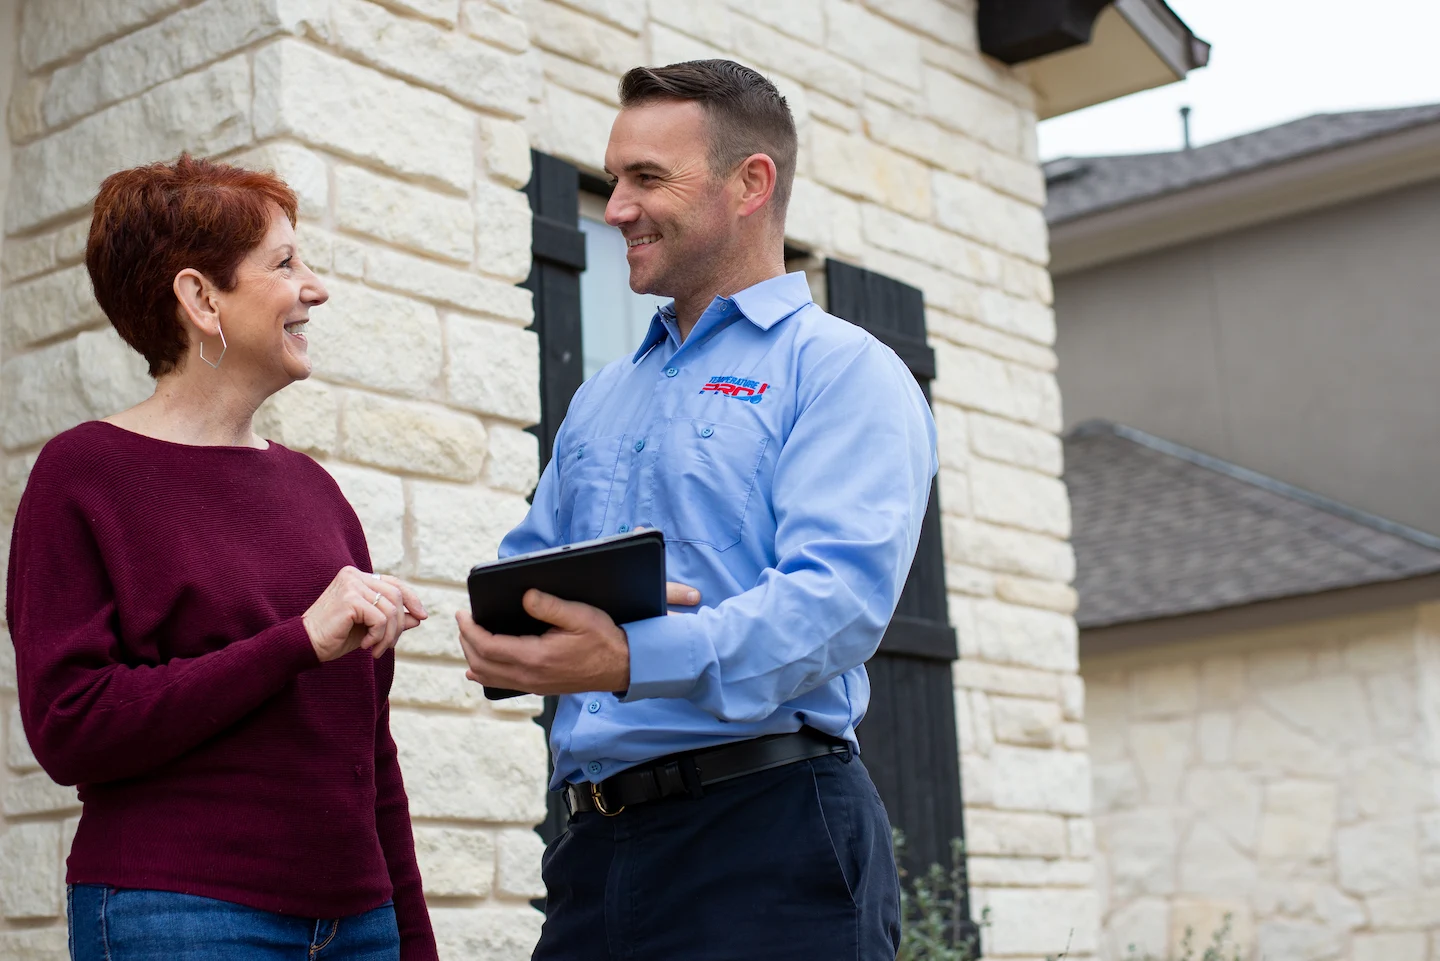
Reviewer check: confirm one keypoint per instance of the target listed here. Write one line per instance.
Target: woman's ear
(198, 302)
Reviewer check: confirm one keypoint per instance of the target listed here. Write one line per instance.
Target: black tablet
(623, 575)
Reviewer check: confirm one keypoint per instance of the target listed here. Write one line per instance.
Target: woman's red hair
(152, 222)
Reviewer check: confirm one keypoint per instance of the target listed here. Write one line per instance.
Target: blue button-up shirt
(787, 456)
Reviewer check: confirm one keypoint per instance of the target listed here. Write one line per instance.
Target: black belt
(690, 773)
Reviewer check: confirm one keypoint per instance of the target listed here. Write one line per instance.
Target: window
(613, 318)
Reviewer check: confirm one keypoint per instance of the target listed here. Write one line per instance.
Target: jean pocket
(704, 477)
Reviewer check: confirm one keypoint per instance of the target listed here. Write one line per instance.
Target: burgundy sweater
(155, 596)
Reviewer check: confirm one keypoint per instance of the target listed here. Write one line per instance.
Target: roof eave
(1309, 182)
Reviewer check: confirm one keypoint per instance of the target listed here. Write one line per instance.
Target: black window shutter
(908, 739)
(557, 252)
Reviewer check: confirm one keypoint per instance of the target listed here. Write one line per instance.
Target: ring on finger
(378, 595)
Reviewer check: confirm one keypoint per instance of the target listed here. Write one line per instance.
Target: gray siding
(1307, 348)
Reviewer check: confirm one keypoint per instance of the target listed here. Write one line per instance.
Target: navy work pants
(793, 863)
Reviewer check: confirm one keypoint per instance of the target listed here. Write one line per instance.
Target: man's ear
(756, 177)
(198, 301)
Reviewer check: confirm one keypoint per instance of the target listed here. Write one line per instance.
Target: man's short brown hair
(747, 114)
(152, 222)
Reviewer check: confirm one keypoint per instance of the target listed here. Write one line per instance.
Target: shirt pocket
(587, 473)
(703, 481)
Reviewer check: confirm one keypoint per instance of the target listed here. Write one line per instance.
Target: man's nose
(620, 209)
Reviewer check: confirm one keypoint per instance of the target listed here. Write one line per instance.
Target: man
(719, 808)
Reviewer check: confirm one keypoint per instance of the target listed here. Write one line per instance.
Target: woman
(199, 645)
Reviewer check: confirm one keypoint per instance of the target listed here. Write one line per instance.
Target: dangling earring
(223, 347)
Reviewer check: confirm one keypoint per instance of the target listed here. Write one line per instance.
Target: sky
(1270, 61)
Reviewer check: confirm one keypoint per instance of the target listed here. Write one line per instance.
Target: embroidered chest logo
(751, 391)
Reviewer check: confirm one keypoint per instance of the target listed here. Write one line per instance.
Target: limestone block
(1009, 634)
(1072, 697)
(1298, 940)
(1025, 722)
(833, 112)
(812, 67)
(1222, 681)
(502, 246)
(18, 756)
(1057, 782)
(518, 858)
(1269, 668)
(379, 502)
(872, 43)
(499, 932)
(1013, 834)
(436, 282)
(404, 215)
(494, 26)
(1003, 679)
(1016, 497)
(514, 462)
(206, 113)
(1162, 751)
(412, 437)
(57, 29)
(1199, 921)
(25, 257)
(976, 211)
(1401, 946)
(1140, 929)
(454, 861)
(1393, 705)
(1080, 834)
(1263, 742)
(1010, 175)
(1338, 912)
(953, 489)
(1378, 857)
(816, 215)
(112, 375)
(1385, 651)
(1142, 851)
(860, 167)
(1417, 909)
(429, 684)
(978, 776)
(1036, 923)
(1023, 317)
(376, 340)
(1387, 784)
(964, 579)
(303, 417)
(353, 110)
(1009, 551)
(1213, 867)
(455, 528)
(1026, 280)
(1012, 443)
(470, 767)
(579, 77)
(702, 19)
(973, 111)
(1116, 784)
(1029, 592)
(24, 118)
(1012, 872)
(162, 51)
(447, 11)
(1228, 799)
(506, 150)
(42, 395)
(943, 23)
(1213, 735)
(1166, 690)
(29, 863)
(37, 794)
(1299, 820)
(1331, 709)
(302, 169)
(572, 126)
(7, 649)
(979, 381)
(569, 32)
(803, 19)
(953, 327)
(49, 306)
(35, 944)
(316, 246)
(494, 369)
(437, 636)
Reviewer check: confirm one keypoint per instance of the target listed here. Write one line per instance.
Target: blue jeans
(122, 924)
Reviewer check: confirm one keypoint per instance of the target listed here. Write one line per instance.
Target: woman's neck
(189, 407)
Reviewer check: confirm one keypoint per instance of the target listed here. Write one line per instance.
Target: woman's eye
(286, 263)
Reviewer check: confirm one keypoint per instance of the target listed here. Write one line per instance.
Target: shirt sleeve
(849, 494)
(89, 717)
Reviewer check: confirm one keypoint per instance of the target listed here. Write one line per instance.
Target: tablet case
(623, 575)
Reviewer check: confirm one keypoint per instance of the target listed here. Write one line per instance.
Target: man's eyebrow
(639, 166)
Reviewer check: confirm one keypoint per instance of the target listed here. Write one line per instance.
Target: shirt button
(671, 371)
(707, 431)
(593, 767)
(580, 451)
(624, 528)
(593, 707)
(639, 445)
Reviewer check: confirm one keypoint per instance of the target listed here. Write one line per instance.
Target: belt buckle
(598, 799)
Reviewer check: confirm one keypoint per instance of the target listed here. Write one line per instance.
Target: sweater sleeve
(392, 823)
(88, 716)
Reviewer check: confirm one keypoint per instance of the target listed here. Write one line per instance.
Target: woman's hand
(361, 610)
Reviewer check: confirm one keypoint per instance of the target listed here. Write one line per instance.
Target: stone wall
(917, 159)
(405, 126)
(1287, 778)
(399, 126)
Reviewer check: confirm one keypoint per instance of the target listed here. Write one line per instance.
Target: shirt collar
(764, 304)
